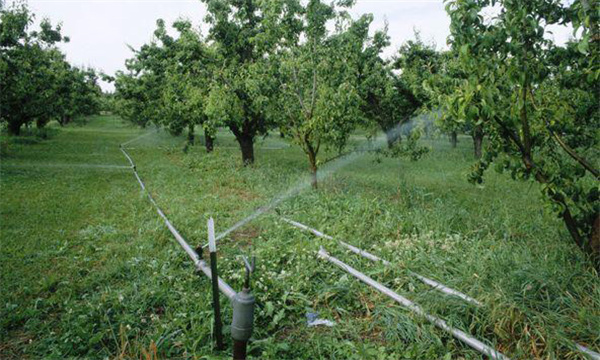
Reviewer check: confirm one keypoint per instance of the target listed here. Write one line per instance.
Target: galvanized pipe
(127, 156)
(223, 286)
(239, 349)
(590, 353)
(434, 284)
(198, 263)
(458, 334)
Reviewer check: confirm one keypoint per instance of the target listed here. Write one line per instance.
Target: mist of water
(138, 138)
(66, 165)
(324, 172)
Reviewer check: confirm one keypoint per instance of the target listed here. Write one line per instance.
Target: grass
(90, 271)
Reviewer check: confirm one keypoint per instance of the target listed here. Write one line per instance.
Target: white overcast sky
(100, 30)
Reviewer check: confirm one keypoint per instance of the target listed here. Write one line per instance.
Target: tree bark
(453, 139)
(209, 141)
(477, 141)
(247, 146)
(244, 135)
(391, 138)
(190, 136)
(14, 128)
(40, 123)
(312, 159)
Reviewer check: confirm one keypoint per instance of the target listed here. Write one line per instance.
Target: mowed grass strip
(89, 270)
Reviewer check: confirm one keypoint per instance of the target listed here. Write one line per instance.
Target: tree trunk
(477, 140)
(209, 141)
(592, 246)
(453, 139)
(391, 138)
(190, 136)
(247, 146)
(64, 120)
(312, 159)
(14, 128)
(40, 123)
(245, 137)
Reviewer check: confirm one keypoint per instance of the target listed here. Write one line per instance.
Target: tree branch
(572, 153)
(298, 93)
(582, 161)
(336, 157)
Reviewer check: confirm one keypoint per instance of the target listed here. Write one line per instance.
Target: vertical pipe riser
(239, 350)
(243, 321)
(216, 303)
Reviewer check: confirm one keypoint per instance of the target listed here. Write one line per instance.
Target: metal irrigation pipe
(434, 284)
(458, 334)
(590, 353)
(200, 264)
(242, 303)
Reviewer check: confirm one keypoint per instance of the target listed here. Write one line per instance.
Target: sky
(101, 31)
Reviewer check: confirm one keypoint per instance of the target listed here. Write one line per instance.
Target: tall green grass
(89, 270)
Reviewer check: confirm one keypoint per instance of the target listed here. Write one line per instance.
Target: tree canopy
(37, 82)
(537, 101)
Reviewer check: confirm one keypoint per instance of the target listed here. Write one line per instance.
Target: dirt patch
(243, 237)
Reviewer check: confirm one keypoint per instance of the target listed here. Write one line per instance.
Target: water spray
(137, 138)
(66, 165)
(379, 142)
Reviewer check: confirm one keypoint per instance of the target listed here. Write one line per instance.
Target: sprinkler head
(249, 270)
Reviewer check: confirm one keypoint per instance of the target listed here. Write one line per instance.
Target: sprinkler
(243, 314)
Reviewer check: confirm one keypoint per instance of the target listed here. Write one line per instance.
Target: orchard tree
(243, 82)
(535, 132)
(139, 90)
(131, 101)
(388, 101)
(188, 72)
(168, 83)
(77, 93)
(445, 83)
(28, 61)
(319, 98)
(420, 64)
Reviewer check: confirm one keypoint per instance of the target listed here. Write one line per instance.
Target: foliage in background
(387, 99)
(243, 81)
(38, 84)
(276, 64)
(319, 101)
(187, 79)
(139, 89)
